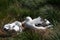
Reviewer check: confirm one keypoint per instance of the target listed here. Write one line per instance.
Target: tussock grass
(11, 10)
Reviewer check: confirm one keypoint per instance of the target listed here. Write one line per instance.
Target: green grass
(11, 10)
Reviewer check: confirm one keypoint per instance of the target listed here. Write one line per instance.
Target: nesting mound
(4, 33)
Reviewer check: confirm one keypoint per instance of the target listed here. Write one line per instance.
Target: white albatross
(31, 23)
(14, 26)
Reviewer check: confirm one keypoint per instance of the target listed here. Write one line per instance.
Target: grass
(11, 10)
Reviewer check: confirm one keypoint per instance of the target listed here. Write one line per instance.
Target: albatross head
(6, 27)
(28, 18)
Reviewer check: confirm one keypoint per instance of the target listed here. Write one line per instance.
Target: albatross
(31, 23)
(13, 26)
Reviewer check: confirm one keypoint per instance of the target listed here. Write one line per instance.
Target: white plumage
(14, 26)
(31, 23)
(7, 26)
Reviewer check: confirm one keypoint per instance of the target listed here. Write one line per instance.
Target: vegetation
(11, 10)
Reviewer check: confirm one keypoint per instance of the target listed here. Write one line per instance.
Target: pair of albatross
(36, 23)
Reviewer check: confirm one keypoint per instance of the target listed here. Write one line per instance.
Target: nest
(10, 33)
